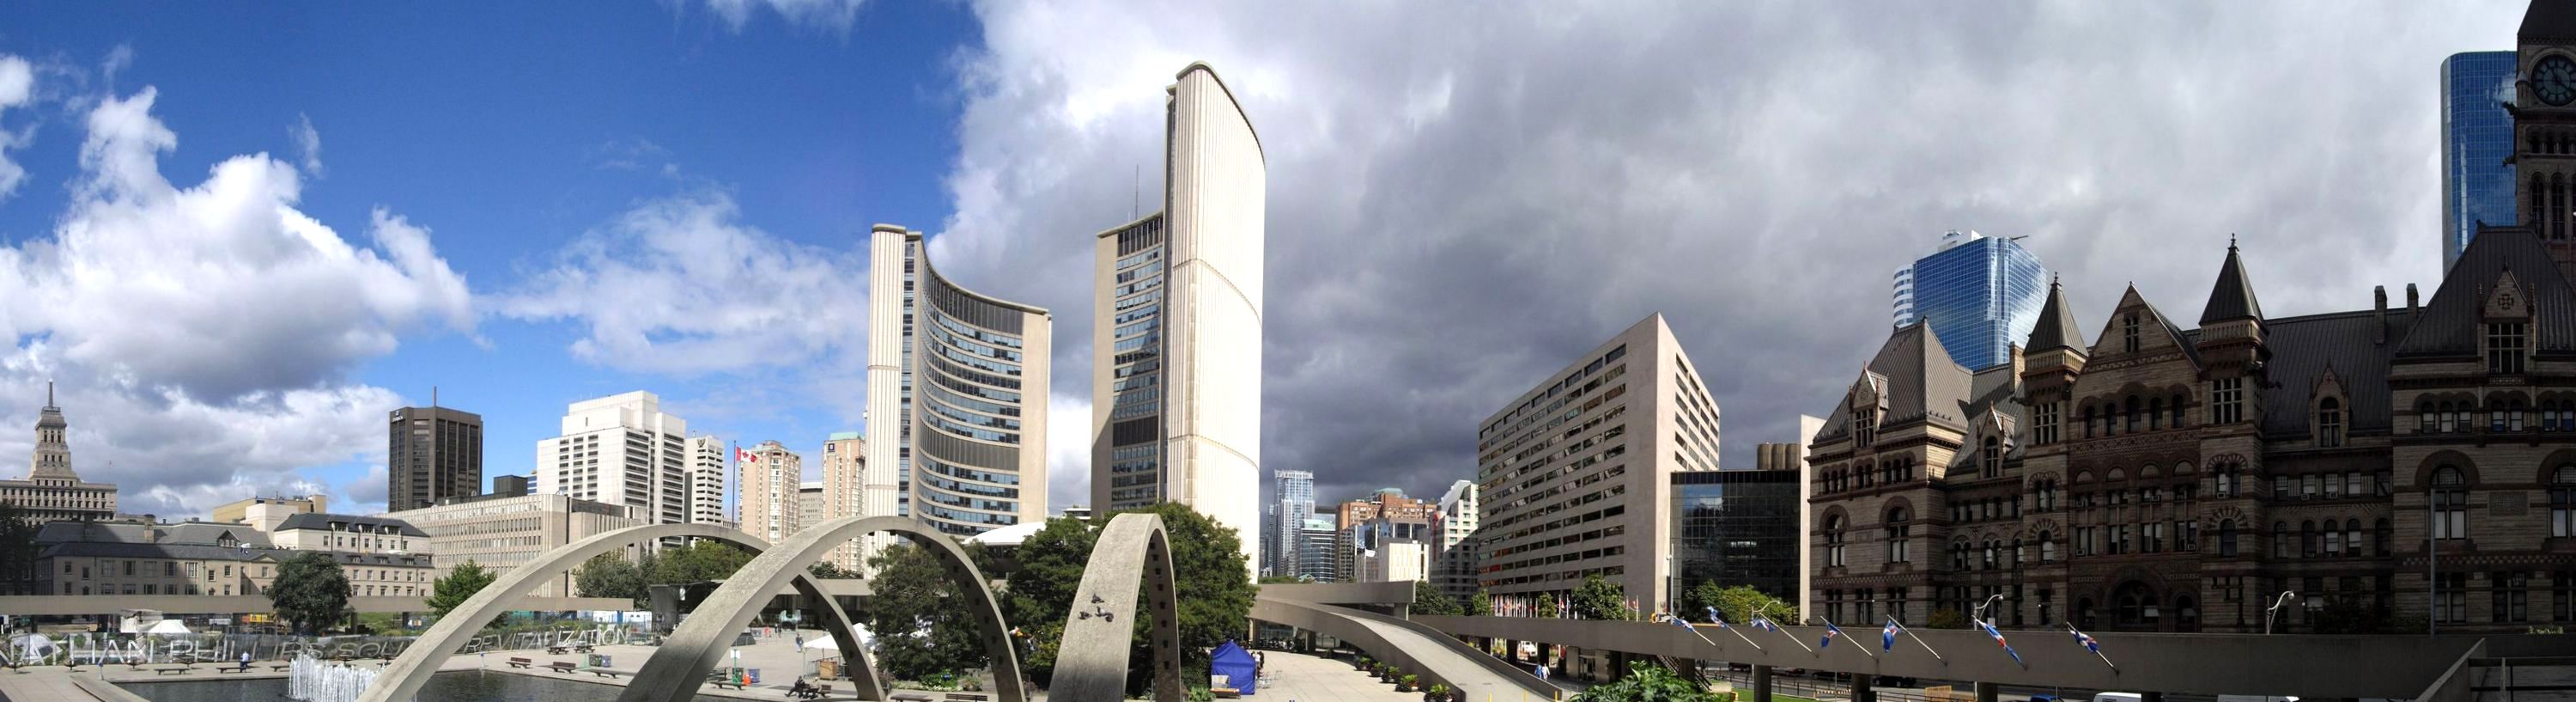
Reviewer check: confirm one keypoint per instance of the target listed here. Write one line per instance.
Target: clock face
(2553, 79)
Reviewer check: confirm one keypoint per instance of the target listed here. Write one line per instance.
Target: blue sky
(531, 204)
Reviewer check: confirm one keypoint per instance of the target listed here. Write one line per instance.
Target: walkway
(1297, 677)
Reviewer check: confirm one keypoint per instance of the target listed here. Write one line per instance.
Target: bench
(520, 662)
(811, 692)
(969, 697)
(1226, 692)
(604, 672)
(909, 696)
(561, 666)
(168, 669)
(555, 650)
(233, 669)
(279, 667)
(725, 682)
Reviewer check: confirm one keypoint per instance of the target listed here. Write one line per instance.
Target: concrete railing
(1345, 623)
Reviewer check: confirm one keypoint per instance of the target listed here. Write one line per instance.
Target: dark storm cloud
(1464, 198)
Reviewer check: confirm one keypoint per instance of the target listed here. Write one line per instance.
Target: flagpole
(1829, 626)
(2097, 649)
(1909, 633)
(1694, 630)
(1793, 638)
(1721, 623)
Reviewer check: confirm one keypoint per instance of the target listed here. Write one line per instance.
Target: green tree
(17, 550)
(1040, 594)
(1738, 603)
(1215, 594)
(924, 625)
(452, 591)
(1482, 604)
(1547, 607)
(1598, 598)
(699, 561)
(1946, 618)
(611, 575)
(828, 569)
(1281, 580)
(1428, 599)
(310, 591)
(1646, 682)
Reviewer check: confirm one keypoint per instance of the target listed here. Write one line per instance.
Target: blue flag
(1999, 641)
(1764, 623)
(1887, 635)
(2084, 638)
(1713, 618)
(1831, 631)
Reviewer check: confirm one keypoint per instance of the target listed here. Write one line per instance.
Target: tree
(1281, 580)
(1946, 618)
(460, 585)
(828, 569)
(1738, 603)
(924, 625)
(700, 561)
(1482, 604)
(611, 575)
(1646, 682)
(1598, 598)
(18, 551)
(310, 591)
(1040, 593)
(1215, 590)
(1547, 607)
(1428, 599)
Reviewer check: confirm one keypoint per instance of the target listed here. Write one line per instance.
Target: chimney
(2410, 300)
(2015, 352)
(2379, 306)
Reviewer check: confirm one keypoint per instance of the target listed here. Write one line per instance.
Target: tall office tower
(1176, 399)
(1456, 561)
(52, 491)
(1315, 558)
(1295, 490)
(811, 505)
(960, 381)
(1369, 526)
(620, 450)
(1573, 474)
(769, 476)
(849, 492)
(432, 453)
(707, 481)
(2477, 146)
(1982, 294)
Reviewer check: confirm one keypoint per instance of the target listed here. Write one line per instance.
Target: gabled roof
(2233, 296)
(103, 549)
(2449, 325)
(2304, 347)
(2154, 316)
(1922, 383)
(2057, 327)
(324, 522)
(2548, 19)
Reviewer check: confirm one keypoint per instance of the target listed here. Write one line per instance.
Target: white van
(2118, 697)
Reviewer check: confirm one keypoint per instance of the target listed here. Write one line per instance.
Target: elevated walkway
(1327, 609)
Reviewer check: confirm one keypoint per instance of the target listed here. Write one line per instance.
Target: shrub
(1407, 683)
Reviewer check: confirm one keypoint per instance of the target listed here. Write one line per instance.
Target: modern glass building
(2477, 137)
(1296, 491)
(1740, 527)
(1982, 294)
(958, 381)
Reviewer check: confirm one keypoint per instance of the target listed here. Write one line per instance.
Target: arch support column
(1132, 558)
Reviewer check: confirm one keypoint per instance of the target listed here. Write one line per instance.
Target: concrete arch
(675, 671)
(1132, 553)
(402, 678)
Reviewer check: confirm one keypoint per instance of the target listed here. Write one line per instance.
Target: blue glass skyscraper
(1982, 294)
(2477, 136)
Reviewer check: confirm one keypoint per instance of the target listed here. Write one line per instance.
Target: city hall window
(1898, 531)
(2129, 332)
(1994, 458)
(2505, 348)
(1834, 541)
(2329, 422)
(2450, 504)
(2562, 501)
(2226, 400)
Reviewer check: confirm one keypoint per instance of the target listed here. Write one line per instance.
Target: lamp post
(1978, 613)
(2270, 612)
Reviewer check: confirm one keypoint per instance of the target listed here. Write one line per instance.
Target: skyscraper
(1176, 371)
(707, 482)
(849, 491)
(2477, 143)
(1982, 294)
(623, 451)
(432, 453)
(1456, 561)
(1296, 501)
(770, 507)
(52, 491)
(957, 396)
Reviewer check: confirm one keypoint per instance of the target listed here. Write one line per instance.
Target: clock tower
(2544, 126)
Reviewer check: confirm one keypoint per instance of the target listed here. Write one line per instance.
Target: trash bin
(827, 669)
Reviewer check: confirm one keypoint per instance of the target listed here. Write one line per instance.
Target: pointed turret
(2233, 297)
(2057, 328)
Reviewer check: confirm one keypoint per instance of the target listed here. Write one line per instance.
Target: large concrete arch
(675, 672)
(402, 678)
(1130, 554)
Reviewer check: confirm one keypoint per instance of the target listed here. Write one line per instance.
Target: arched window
(2155, 413)
(1959, 556)
(2047, 548)
(2352, 536)
(2016, 553)
(1899, 536)
(2280, 539)
(2450, 417)
(2226, 537)
(2425, 422)
(2088, 421)
(2333, 539)
(1992, 558)
(1994, 457)
(2176, 418)
(2134, 606)
(2130, 408)
(2450, 503)
(2308, 538)
(1834, 541)
(2329, 422)
(2562, 501)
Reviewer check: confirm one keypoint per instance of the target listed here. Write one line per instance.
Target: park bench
(815, 692)
(725, 682)
(280, 666)
(909, 696)
(603, 672)
(168, 669)
(556, 649)
(969, 697)
(520, 662)
(233, 669)
(561, 666)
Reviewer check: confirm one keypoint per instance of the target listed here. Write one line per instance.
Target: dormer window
(1994, 457)
(2129, 332)
(2329, 422)
(1865, 426)
(2506, 348)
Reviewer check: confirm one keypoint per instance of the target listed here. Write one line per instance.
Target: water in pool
(453, 686)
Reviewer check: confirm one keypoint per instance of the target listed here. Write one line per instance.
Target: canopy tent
(1235, 666)
(168, 626)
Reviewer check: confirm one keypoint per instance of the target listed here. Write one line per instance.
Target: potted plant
(1387, 672)
(1407, 683)
(1439, 693)
(1363, 663)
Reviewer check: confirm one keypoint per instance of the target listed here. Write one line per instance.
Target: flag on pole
(1887, 635)
(1999, 641)
(1831, 631)
(1763, 623)
(1678, 621)
(1713, 618)
(2086, 639)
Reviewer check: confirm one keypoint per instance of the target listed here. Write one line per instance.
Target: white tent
(168, 626)
(31, 647)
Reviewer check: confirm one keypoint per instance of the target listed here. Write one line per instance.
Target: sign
(220, 621)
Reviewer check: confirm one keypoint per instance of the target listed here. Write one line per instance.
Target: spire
(49, 395)
(2233, 297)
(2057, 328)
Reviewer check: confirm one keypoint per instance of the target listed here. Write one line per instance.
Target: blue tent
(1235, 665)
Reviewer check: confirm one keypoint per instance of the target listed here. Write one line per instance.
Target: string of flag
(1999, 641)
(1713, 618)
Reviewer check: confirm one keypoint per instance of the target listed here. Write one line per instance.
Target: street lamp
(1978, 613)
(2269, 612)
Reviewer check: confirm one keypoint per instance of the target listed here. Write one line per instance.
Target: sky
(237, 234)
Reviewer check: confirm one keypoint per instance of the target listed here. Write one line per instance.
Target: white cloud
(1068, 451)
(17, 89)
(680, 285)
(308, 144)
(834, 15)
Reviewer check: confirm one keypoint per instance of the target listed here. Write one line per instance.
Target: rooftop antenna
(1136, 196)
(433, 397)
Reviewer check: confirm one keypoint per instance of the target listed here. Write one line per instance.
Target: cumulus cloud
(203, 335)
(17, 89)
(681, 285)
(1454, 214)
(1068, 450)
(834, 15)
(308, 144)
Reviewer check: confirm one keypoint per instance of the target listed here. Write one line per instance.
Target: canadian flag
(745, 456)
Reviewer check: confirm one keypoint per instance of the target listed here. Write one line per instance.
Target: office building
(1294, 491)
(707, 503)
(1572, 474)
(2477, 146)
(769, 475)
(318, 531)
(52, 490)
(849, 491)
(513, 485)
(1982, 294)
(1368, 525)
(812, 507)
(620, 450)
(1316, 560)
(501, 532)
(1177, 301)
(1740, 527)
(1395, 561)
(959, 380)
(1454, 565)
(432, 453)
(266, 513)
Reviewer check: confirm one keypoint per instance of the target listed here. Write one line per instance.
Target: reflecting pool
(451, 686)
